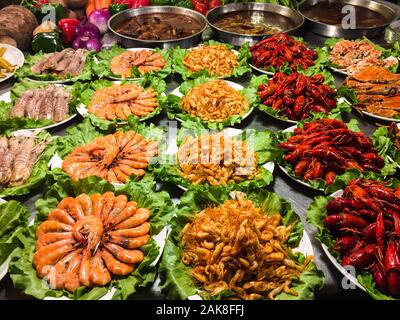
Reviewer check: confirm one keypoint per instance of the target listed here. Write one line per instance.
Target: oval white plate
(338, 266)
(234, 85)
(305, 247)
(261, 70)
(15, 57)
(345, 73)
(6, 97)
(291, 129)
(228, 132)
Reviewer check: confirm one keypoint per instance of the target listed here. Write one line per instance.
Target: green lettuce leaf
(39, 170)
(24, 275)
(178, 54)
(176, 282)
(8, 124)
(31, 60)
(263, 143)
(88, 89)
(13, 219)
(104, 57)
(174, 110)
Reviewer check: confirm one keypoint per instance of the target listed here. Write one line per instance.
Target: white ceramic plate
(345, 73)
(6, 97)
(228, 132)
(234, 85)
(338, 266)
(261, 70)
(15, 57)
(291, 129)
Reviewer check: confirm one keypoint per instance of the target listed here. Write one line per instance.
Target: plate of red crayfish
(360, 231)
(279, 51)
(326, 148)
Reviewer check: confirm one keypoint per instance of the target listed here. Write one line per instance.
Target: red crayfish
(324, 148)
(296, 96)
(365, 222)
(280, 49)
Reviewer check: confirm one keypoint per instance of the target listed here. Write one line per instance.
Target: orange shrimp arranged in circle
(89, 239)
(114, 157)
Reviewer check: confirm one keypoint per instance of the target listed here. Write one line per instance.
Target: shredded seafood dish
(114, 157)
(121, 101)
(144, 60)
(18, 156)
(51, 103)
(87, 240)
(237, 246)
(350, 56)
(377, 91)
(216, 159)
(68, 62)
(217, 59)
(214, 100)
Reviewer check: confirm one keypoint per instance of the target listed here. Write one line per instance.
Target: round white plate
(6, 97)
(291, 129)
(15, 57)
(345, 73)
(379, 117)
(338, 266)
(261, 70)
(234, 85)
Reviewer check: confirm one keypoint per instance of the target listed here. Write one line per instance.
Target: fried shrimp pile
(87, 239)
(214, 100)
(120, 101)
(236, 246)
(114, 157)
(217, 59)
(216, 159)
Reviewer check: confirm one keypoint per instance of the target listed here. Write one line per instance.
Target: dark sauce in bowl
(159, 26)
(253, 22)
(331, 13)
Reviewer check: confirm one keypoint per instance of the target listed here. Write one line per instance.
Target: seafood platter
(199, 150)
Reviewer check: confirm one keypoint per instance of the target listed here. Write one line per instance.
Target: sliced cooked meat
(77, 63)
(65, 61)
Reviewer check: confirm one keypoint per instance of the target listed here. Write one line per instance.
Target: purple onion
(87, 29)
(93, 44)
(100, 18)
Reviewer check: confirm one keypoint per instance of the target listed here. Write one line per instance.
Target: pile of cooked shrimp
(217, 59)
(87, 240)
(214, 100)
(216, 159)
(236, 246)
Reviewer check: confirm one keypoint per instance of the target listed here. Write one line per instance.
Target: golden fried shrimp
(236, 246)
(145, 60)
(217, 59)
(81, 251)
(217, 160)
(114, 157)
(214, 100)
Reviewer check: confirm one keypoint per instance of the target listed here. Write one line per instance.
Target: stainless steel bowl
(338, 31)
(130, 42)
(237, 39)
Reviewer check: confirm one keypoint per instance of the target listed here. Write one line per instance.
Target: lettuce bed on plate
(84, 133)
(24, 275)
(178, 54)
(385, 145)
(13, 219)
(104, 57)
(176, 281)
(341, 180)
(39, 170)
(262, 142)
(342, 106)
(31, 60)
(175, 111)
(316, 213)
(385, 53)
(11, 124)
(87, 90)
